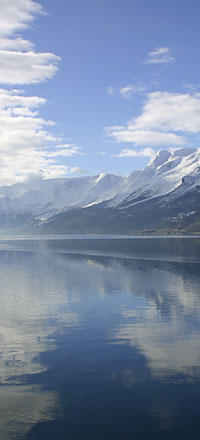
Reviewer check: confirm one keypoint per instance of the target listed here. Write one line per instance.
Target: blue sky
(95, 86)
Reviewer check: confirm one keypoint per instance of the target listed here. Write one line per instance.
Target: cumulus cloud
(160, 55)
(166, 119)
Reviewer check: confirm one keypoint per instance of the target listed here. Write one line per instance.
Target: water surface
(100, 339)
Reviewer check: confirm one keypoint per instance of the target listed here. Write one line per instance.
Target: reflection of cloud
(161, 326)
(166, 302)
(22, 341)
(35, 303)
(22, 407)
(128, 377)
(145, 305)
(164, 412)
(27, 331)
(165, 350)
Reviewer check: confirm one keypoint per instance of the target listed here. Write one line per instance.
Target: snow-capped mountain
(163, 174)
(40, 201)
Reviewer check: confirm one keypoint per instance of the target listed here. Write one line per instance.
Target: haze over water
(100, 339)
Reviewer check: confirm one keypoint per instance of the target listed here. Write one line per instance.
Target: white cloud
(19, 63)
(127, 152)
(170, 111)
(15, 44)
(11, 99)
(77, 170)
(125, 92)
(102, 153)
(128, 91)
(144, 137)
(16, 15)
(66, 150)
(111, 91)
(160, 55)
(26, 67)
(27, 146)
(166, 119)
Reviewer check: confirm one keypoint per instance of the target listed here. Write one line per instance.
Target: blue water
(100, 338)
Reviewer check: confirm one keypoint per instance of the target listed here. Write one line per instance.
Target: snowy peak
(165, 159)
(164, 173)
(173, 166)
(159, 159)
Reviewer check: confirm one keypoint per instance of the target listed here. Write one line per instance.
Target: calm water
(100, 339)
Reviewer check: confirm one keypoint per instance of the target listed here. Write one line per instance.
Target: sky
(95, 86)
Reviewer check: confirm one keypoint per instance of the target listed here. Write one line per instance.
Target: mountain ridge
(42, 205)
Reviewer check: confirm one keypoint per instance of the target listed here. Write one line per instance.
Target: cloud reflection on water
(35, 304)
(165, 328)
(22, 407)
(147, 306)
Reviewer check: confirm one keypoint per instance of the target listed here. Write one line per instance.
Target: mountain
(162, 197)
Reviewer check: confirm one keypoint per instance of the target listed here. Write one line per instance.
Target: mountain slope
(164, 195)
(177, 212)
